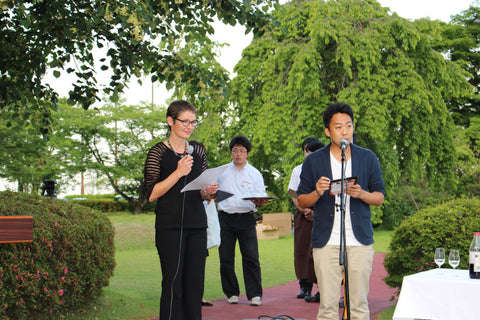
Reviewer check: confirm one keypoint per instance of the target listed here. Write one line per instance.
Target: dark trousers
(302, 244)
(241, 227)
(183, 272)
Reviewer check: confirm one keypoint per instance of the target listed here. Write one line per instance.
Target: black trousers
(239, 227)
(183, 272)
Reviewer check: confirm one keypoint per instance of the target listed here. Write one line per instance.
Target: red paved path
(282, 300)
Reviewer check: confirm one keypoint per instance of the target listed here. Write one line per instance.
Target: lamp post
(49, 187)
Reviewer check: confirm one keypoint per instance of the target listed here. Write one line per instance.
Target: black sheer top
(161, 162)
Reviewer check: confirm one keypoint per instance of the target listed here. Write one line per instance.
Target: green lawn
(134, 290)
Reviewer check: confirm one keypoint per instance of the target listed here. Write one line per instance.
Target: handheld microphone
(343, 144)
(189, 149)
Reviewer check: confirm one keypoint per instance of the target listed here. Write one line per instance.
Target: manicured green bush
(107, 202)
(66, 266)
(394, 212)
(449, 225)
(104, 205)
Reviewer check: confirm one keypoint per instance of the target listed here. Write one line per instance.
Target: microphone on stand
(343, 253)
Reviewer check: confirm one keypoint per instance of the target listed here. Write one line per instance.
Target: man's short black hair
(242, 141)
(307, 141)
(314, 146)
(338, 107)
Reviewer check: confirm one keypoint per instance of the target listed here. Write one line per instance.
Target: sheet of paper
(207, 178)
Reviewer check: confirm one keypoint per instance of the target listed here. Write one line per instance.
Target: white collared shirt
(241, 183)
(295, 178)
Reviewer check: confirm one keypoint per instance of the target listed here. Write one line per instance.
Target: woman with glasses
(181, 222)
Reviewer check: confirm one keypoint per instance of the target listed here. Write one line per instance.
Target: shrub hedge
(66, 266)
(104, 205)
(449, 225)
(107, 203)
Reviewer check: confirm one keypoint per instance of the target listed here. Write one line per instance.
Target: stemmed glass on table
(439, 256)
(454, 258)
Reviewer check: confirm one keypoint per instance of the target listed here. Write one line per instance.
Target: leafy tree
(467, 146)
(25, 157)
(461, 42)
(132, 37)
(112, 141)
(352, 51)
(215, 114)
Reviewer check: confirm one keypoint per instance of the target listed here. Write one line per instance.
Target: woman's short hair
(177, 107)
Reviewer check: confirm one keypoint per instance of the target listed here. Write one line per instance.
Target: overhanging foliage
(134, 37)
(352, 51)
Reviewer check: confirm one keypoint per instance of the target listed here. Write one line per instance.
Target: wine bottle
(475, 257)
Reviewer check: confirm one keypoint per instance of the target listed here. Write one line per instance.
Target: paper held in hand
(336, 185)
(208, 177)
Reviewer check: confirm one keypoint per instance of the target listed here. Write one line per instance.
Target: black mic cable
(189, 151)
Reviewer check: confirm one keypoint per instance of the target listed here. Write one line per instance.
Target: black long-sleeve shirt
(160, 163)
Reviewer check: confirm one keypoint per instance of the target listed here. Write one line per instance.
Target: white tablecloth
(439, 294)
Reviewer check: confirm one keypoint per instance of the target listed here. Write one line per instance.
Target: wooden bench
(16, 229)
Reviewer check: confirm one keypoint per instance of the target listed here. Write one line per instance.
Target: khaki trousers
(330, 274)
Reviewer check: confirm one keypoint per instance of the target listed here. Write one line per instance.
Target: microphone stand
(343, 250)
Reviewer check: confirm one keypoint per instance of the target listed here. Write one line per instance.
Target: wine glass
(439, 256)
(454, 258)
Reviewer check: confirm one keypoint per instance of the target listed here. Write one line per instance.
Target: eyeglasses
(240, 151)
(185, 123)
